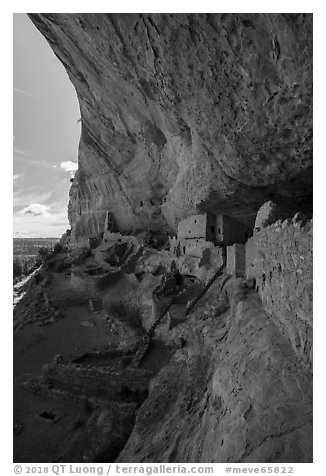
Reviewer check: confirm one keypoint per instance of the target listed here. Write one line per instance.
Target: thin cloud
(18, 151)
(16, 177)
(36, 209)
(69, 166)
(22, 198)
(22, 91)
(26, 158)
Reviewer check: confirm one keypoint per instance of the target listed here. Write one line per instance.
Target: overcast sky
(46, 135)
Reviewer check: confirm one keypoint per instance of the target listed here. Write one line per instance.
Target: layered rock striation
(186, 112)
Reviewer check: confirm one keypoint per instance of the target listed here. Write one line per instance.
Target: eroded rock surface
(235, 392)
(186, 112)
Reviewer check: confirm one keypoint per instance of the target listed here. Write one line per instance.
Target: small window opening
(48, 415)
(212, 229)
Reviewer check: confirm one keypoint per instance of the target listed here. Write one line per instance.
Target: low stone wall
(125, 384)
(280, 259)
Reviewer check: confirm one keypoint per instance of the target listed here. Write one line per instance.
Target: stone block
(266, 215)
(236, 260)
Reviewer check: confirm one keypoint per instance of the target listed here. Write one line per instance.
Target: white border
(317, 7)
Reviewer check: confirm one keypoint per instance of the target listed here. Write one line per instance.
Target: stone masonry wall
(193, 227)
(236, 260)
(195, 247)
(111, 384)
(280, 259)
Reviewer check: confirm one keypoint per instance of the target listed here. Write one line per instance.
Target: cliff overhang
(186, 113)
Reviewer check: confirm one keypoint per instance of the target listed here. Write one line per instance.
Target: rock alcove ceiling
(186, 112)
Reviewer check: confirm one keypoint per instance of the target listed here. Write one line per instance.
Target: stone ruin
(94, 385)
(266, 215)
(201, 235)
(207, 236)
(221, 230)
(104, 377)
(210, 238)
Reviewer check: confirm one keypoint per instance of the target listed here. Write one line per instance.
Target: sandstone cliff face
(186, 112)
(234, 393)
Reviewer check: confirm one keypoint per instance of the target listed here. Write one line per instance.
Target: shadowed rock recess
(186, 112)
(191, 124)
